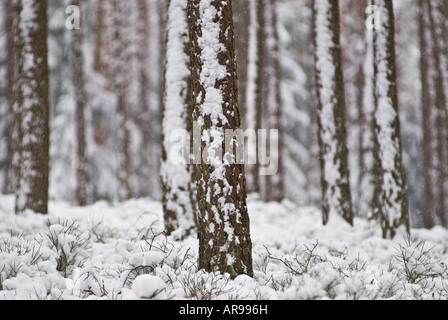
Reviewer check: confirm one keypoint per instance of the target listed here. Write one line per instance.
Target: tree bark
(439, 28)
(121, 86)
(391, 197)
(177, 115)
(11, 18)
(34, 109)
(275, 188)
(241, 18)
(223, 220)
(430, 214)
(335, 176)
(143, 36)
(82, 180)
(103, 41)
(435, 114)
(261, 89)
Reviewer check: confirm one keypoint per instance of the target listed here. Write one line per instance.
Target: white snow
(328, 99)
(148, 286)
(174, 172)
(295, 257)
(386, 118)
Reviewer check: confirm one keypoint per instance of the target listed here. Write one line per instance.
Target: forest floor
(119, 251)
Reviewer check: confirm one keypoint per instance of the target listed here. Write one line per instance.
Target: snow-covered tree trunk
(241, 18)
(434, 77)
(261, 91)
(33, 109)
(429, 134)
(391, 203)
(142, 56)
(121, 85)
(82, 180)
(223, 221)
(177, 115)
(249, 103)
(366, 184)
(335, 177)
(312, 169)
(275, 189)
(10, 20)
(354, 44)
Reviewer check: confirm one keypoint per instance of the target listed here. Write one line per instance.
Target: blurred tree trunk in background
(275, 188)
(261, 93)
(143, 67)
(241, 21)
(434, 78)
(121, 80)
(11, 20)
(82, 179)
(102, 52)
(429, 159)
(358, 71)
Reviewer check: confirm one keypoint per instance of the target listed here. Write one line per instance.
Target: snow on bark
(392, 202)
(77, 58)
(121, 87)
(366, 183)
(438, 28)
(336, 195)
(32, 189)
(434, 79)
(10, 21)
(223, 221)
(274, 190)
(175, 169)
(252, 66)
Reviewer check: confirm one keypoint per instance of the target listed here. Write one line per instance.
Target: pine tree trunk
(11, 18)
(15, 47)
(121, 86)
(275, 189)
(80, 98)
(261, 93)
(366, 140)
(249, 120)
(353, 37)
(223, 221)
(335, 177)
(438, 28)
(34, 109)
(434, 77)
(177, 115)
(391, 197)
(313, 171)
(144, 104)
(241, 17)
(102, 53)
(430, 214)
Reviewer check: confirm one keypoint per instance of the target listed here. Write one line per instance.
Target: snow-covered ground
(120, 252)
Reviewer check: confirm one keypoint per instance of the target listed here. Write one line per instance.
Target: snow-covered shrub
(101, 231)
(149, 287)
(417, 263)
(203, 285)
(20, 257)
(71, 245)
(301, 261)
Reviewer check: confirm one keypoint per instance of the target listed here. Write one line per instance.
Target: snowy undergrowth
(121, 252)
